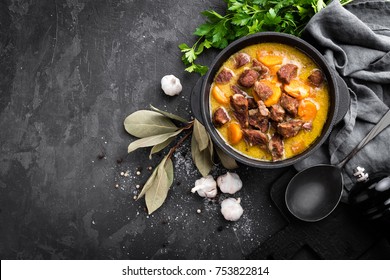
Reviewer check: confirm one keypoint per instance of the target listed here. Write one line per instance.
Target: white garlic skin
(231, 209)
(229, 183)
(171, 85)
(205, 187)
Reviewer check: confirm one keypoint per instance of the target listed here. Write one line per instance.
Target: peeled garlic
(206, 187)
(229, 183)
(231, 209)
(171, 85)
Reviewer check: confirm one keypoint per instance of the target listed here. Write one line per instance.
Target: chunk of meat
(262, 90)
(255, 137)
(261, 68)
(316, 77)
(240, 109)
(224, 76)
(220, 117)
(248, 78)
(276, 147)
(241, 59)
(239, 103)
(308, 126)
(262, 109)
(289, 128)
(258, 121)
(256, 63)
(237, 90)
(277, 113)
(287, 72)
(252, 104)
(290, 104)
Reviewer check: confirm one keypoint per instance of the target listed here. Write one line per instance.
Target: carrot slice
(270, 60)
(307, 110)
(234, 133)
(297, 89)
(219, 95)
(276, 93)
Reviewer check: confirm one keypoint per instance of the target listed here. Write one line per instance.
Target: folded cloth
(355, 41)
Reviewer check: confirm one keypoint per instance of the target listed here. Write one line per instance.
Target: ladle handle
(378, 128)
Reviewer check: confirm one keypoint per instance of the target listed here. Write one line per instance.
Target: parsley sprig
(244, 17)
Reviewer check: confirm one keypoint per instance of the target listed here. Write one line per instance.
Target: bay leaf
(150, 182)
(202, 159)
(210, 147)
(201, 135)
(145, 123)
(169, 115)
(151, 140)
(227, 161)
(156, 194)
(161, 146)
(169, 170)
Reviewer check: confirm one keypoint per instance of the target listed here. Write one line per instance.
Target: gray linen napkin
(355, 41)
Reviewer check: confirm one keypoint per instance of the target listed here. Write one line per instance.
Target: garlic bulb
(206, 187)
(171, 85)
(231, 209)
(229, 183)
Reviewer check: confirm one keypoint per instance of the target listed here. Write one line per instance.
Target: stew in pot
(269, 101)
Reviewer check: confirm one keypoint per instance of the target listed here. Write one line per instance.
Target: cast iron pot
(339, 95)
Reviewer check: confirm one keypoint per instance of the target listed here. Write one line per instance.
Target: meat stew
(274, 96)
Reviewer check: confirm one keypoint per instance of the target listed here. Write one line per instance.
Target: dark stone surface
(71, 71)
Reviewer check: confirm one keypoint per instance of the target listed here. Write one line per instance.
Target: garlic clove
(205, 187)
(229, 183)
(231, 209)
(171, 85)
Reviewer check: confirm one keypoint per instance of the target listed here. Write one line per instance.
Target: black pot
(339, 95)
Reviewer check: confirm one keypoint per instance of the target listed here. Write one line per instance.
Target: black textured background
(70, 72)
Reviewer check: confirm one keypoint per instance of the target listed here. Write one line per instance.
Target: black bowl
(339, 96)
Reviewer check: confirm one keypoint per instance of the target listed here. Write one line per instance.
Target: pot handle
(196, 100)
(344, 98)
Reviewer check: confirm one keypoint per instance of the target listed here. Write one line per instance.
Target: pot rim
(264, 37)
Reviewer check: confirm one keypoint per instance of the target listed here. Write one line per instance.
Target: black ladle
(314, 193)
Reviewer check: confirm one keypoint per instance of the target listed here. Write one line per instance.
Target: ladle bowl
(315, 192)
(311, 196)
